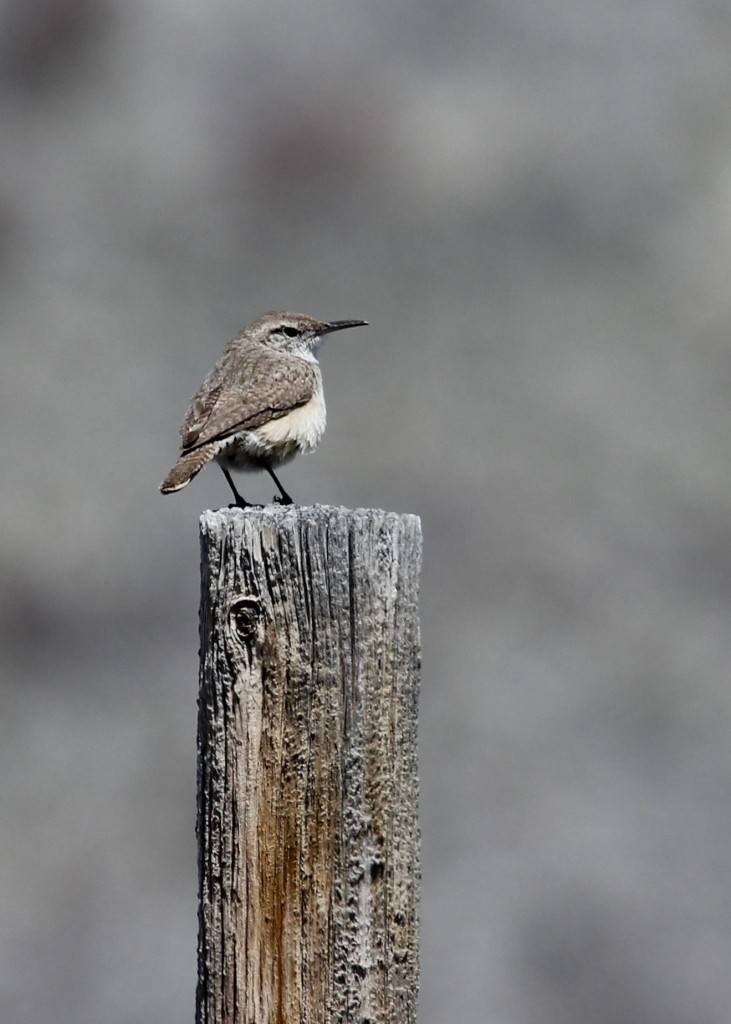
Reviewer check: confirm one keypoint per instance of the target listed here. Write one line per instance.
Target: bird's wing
(245, 390)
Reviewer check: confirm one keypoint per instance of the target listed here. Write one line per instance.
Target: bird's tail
(188, 465)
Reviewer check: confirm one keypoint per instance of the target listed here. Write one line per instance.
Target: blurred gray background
(531, 204)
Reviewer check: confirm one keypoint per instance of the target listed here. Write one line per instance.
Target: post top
(281, 514)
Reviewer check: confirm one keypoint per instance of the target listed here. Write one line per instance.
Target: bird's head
(296, 333)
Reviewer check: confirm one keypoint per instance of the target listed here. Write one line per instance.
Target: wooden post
(307, 767)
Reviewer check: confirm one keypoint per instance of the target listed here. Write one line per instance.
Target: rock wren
(261, 403)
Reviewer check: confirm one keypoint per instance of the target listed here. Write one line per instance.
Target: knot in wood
(244, 615)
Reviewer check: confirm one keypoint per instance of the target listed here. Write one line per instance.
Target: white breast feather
(302, 427)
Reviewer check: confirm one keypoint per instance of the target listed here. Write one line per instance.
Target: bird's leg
(285, 498)
(240, 502)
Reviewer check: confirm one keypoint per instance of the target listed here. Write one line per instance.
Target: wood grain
(307, 767)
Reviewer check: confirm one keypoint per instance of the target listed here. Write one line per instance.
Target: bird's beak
(340, 325)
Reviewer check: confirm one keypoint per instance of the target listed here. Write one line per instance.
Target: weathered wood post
(307, 767)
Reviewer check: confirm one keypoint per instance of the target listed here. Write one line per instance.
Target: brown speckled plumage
(261, 403)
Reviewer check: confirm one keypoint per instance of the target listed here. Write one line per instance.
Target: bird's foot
(282, 499)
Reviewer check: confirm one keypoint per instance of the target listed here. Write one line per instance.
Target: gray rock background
(531, 204)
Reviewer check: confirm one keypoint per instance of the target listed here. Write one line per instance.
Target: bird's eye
(291, 332)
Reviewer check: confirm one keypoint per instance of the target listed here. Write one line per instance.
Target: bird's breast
(301, 427)
(280, 439)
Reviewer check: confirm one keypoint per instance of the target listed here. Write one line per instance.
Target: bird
(261, 404)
